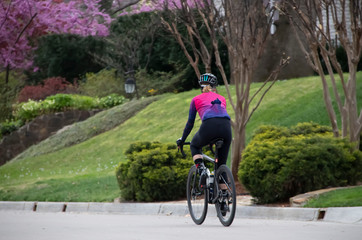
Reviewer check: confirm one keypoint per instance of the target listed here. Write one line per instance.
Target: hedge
(153, 172)
(282, 162)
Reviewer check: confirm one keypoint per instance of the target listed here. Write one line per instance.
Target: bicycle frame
(218, 189)
(218, 143)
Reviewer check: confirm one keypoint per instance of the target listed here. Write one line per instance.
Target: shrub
(297, 160)
(27, 111)
(59, 102)
(153, 172)
(111, 100)
(9, 126)
(50, 86)
(101, 84)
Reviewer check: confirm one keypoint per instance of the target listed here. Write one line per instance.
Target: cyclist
(211, 108)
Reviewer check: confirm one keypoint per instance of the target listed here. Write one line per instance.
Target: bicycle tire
(226, 201)
(197, 200)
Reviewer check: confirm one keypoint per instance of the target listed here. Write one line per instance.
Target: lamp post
(130, 84)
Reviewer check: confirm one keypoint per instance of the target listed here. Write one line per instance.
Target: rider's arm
(190, 121)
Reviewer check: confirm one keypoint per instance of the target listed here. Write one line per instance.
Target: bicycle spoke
(226, 202)
(196, 197)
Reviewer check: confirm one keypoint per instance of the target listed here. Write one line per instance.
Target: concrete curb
(339, 215)
(345, 215)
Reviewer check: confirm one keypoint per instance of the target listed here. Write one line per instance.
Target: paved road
(22, 225)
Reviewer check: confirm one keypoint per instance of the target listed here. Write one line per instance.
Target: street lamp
(130, 85)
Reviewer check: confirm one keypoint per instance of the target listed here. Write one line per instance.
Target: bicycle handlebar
(181, 148)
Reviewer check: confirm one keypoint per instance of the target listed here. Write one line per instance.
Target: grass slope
(85, 171)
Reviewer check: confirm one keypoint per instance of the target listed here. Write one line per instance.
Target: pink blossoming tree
(23, 21)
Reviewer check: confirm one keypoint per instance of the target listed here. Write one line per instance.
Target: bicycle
(219, 189)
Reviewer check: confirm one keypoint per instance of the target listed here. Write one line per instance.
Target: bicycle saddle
(218, 142)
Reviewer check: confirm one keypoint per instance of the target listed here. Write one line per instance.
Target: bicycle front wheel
(226, 195)
(196, 197)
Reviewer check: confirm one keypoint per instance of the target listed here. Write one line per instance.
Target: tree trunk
(326, 95)
(354, 134)
(238, 145)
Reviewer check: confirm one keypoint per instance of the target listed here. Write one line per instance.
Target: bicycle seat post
(219, 144)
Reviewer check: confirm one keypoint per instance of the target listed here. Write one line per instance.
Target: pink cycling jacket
(208, 105)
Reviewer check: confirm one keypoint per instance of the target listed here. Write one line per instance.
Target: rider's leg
(196, 149)
(225, 133)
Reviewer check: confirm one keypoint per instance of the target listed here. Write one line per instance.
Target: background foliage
(48, 87)
(9, 92)
(66, 55)
(85, 170)
(101, 84)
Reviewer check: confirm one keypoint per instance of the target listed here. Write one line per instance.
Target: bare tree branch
(313, 19)
(122, 4)
(6, 14)
(273, 76)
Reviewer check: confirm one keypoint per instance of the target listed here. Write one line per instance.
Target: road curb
(279, 213)
(340, 215)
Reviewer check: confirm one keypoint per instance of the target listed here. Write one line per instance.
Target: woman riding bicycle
(215, 121)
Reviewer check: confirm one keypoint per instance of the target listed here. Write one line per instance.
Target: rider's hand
(179, 142)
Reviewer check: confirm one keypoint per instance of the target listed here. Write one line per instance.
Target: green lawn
(347, 197)
(85, 171)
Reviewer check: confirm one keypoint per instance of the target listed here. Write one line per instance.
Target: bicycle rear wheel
(226, 195)
(196, 197)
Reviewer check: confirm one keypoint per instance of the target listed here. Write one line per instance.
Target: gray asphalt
(20, 225)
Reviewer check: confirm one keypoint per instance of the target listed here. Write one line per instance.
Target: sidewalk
(179, 208)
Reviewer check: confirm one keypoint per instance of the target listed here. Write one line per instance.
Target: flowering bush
(27, 111)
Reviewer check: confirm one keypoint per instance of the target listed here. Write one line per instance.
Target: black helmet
(208, 78)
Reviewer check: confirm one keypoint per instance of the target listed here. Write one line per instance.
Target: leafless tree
(192, 43)
(318, 19)
(244, 27)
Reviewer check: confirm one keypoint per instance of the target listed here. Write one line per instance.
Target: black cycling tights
(210, 130)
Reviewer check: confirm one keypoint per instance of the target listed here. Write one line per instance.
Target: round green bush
(112, 100)
(9, 126)
(153, 172)
(280, 163)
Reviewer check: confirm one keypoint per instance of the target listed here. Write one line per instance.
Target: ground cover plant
(85, 167)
